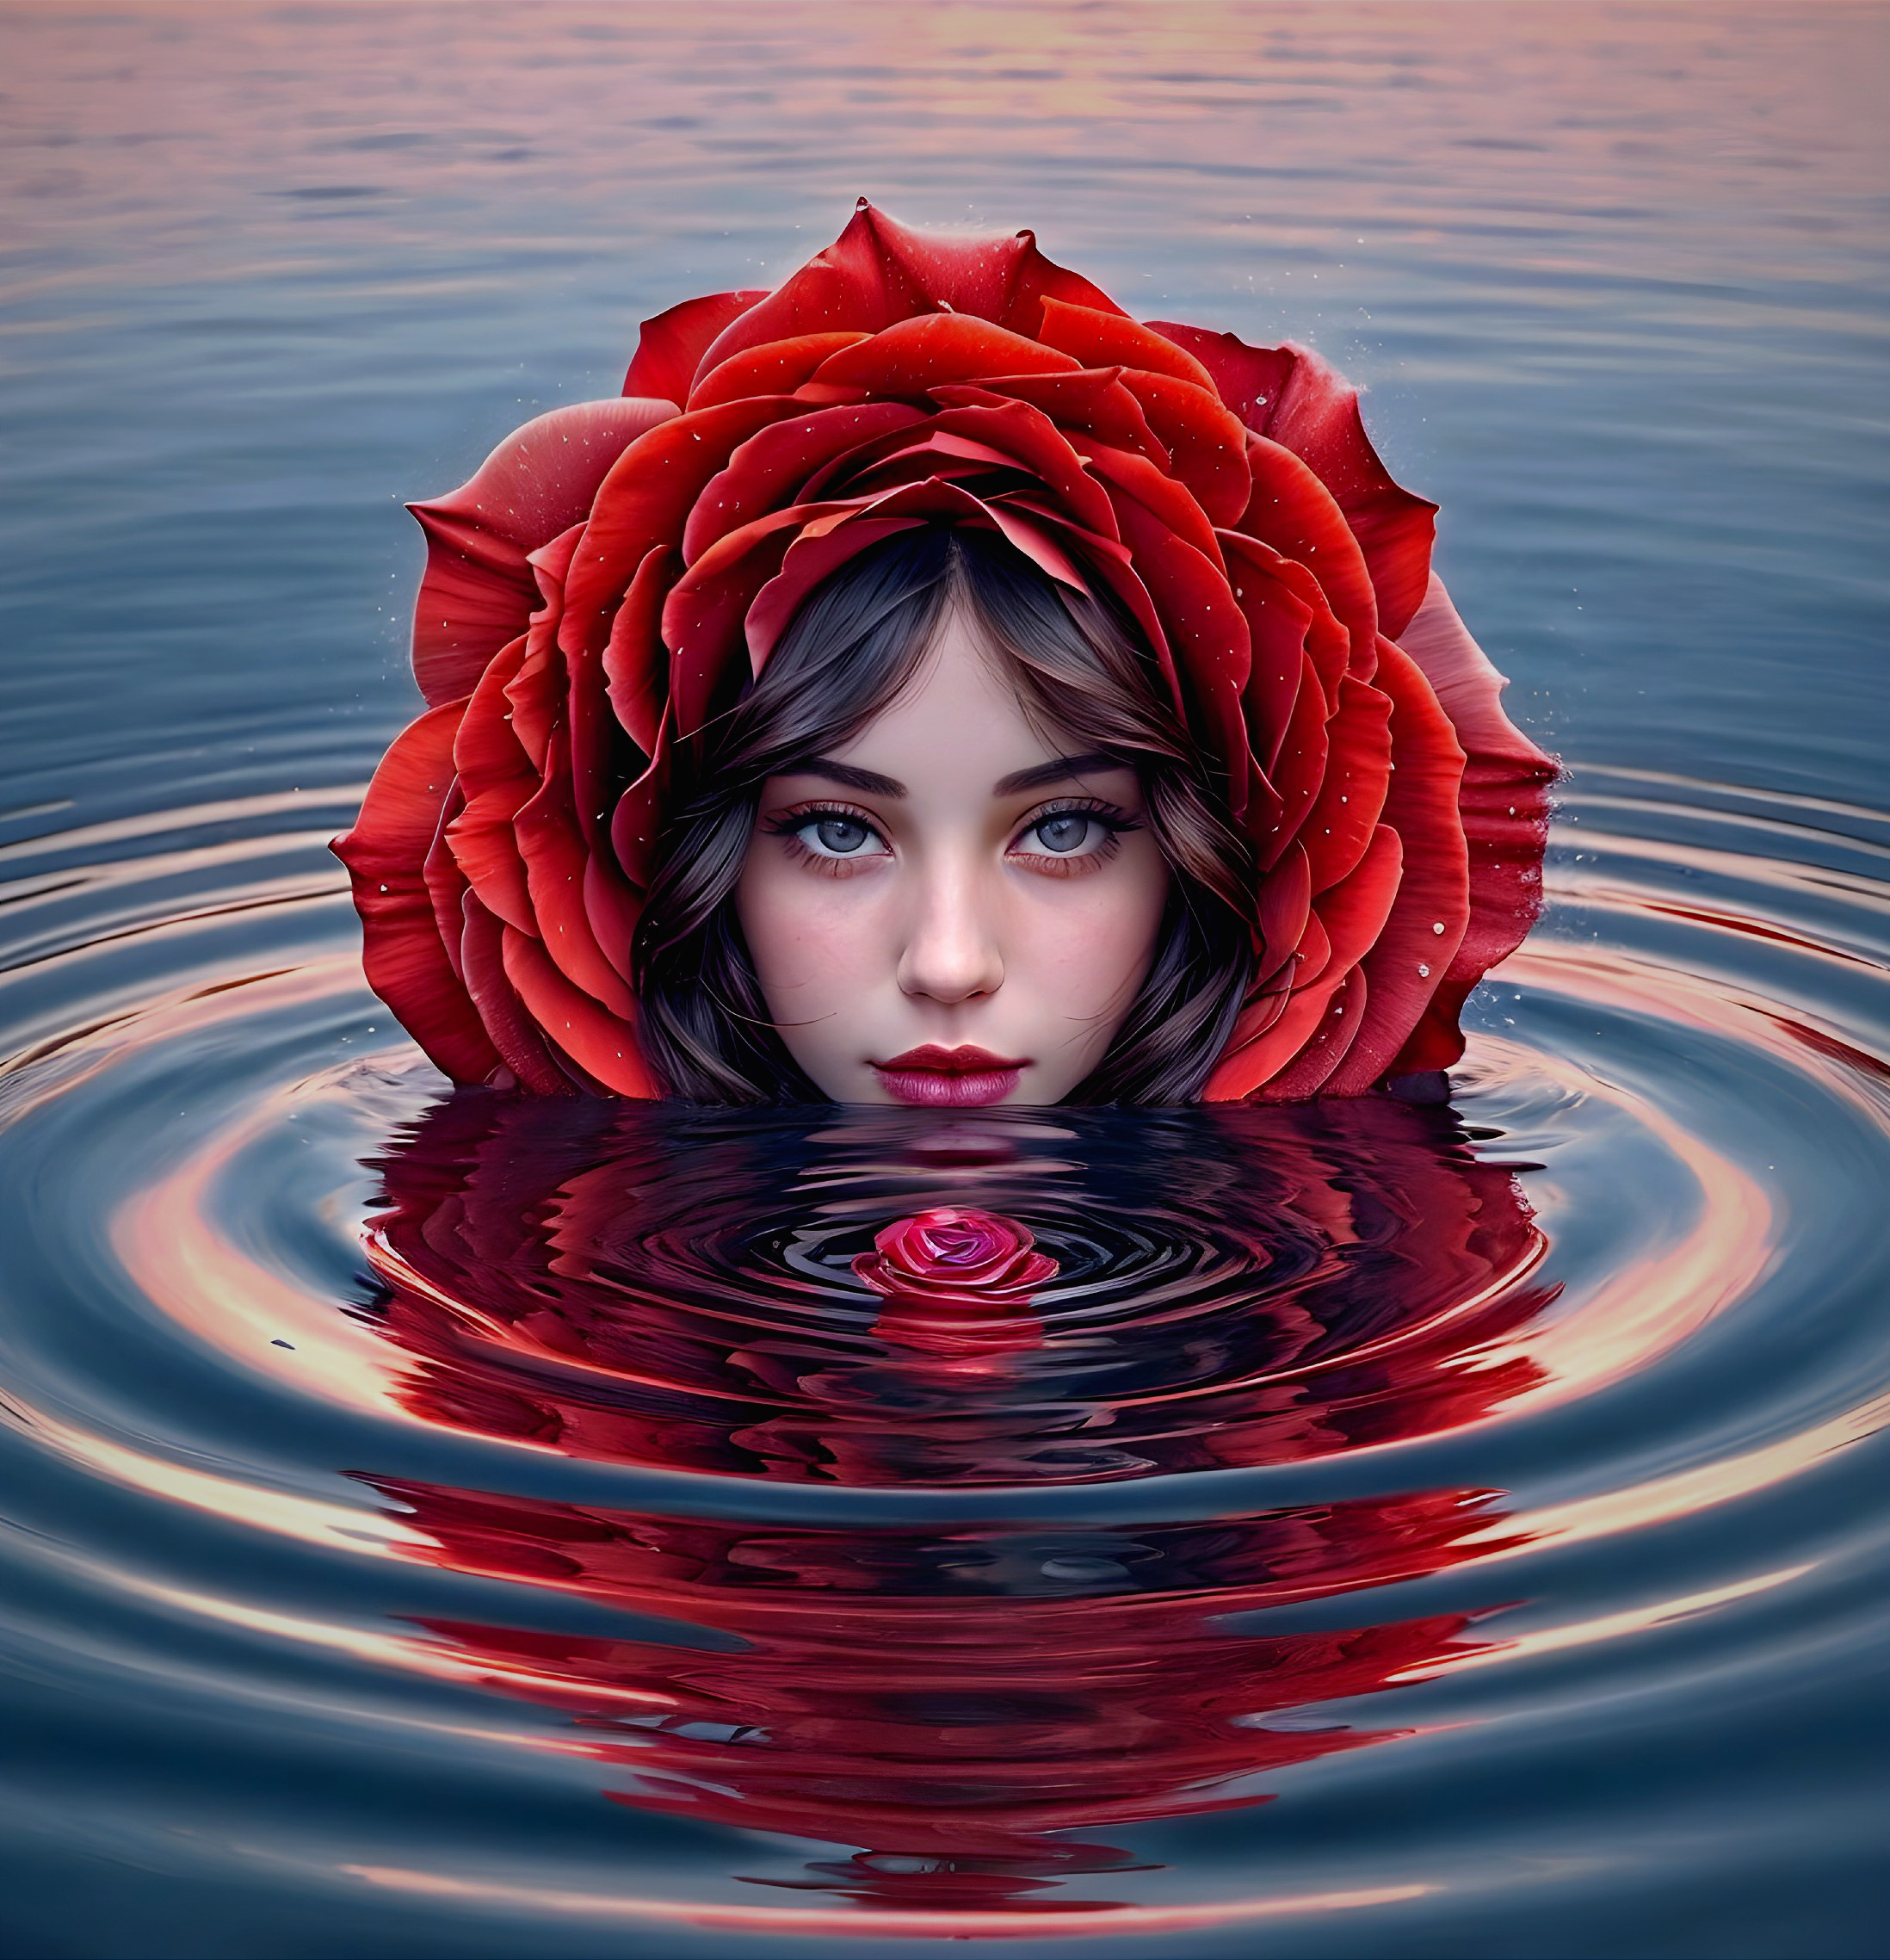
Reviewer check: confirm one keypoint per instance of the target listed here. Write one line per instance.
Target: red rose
(616, 570)
(953, 1256)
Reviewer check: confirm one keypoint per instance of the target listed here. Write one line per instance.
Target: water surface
(433, 1525)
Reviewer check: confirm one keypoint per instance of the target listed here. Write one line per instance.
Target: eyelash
(1113, 821)
(789, 825)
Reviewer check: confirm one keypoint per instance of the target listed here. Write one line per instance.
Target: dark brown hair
(1080, 668)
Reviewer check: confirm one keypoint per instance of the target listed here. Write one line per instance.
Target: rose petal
(386, 853)
(645, 501)
(1209, 633)
(910, 356)
(477, 590)
(1036, 538)
(497, 779)
(1407, 960)
(1248, 378)
(778, 367)
(1351, 915)
(1278, 623)
(1300, 767)
(1358, 756)
(1093, 403)
(1286, 905)
(552, 848)
(446, 884)
(1167, 501)
(1290, 395)
(1332, 1042)
(514, 1033)
(635, 821)
(1318, 418)
(1294, 513)
(879, 271)
(1206, 441)
(603, 1046)
(671, 346)
(784, 463)
(635, 661)
(811, 559)
(1099, 339)
(1503, 804)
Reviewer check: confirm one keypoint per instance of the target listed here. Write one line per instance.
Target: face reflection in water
(955, 907)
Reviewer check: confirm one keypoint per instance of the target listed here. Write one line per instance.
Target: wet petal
(777, 367)
(644, 502)
(386, 853)
(1206, 441)
(478, 591)
(879, 271)
(1099, 339)
(1358, 757)
(1352, 915)
(912, 356)
(1332, 1041)
(1093, 402)
(635, 661)
(1503, 803)
(601, 1043)
(670, 348)
(514, 1033)
(1290, 395)
(1294, 513)
(1420, 938)
(553, 850)
(785, 462)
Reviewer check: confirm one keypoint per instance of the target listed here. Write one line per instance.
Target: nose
(951, 953)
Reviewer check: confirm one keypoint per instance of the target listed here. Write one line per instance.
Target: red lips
(962, 1077)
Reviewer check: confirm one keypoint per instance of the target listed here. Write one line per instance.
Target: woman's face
(951, 908)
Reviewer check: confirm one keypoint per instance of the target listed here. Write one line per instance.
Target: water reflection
(966, 1711)
(970, 1712)
(1233, 1286)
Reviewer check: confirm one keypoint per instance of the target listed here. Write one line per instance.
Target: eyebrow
(1039, 776)
(864, 780)
(1060, 768)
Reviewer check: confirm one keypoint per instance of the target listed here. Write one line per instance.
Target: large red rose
(615, 571)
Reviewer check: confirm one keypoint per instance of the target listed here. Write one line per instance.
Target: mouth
(957, 1078)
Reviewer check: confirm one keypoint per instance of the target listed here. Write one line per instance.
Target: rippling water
(436, 1526)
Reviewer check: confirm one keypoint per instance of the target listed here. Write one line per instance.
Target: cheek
(810, 937)
(1090, 940)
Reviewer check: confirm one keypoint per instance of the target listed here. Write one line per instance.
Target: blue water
(1617, 279)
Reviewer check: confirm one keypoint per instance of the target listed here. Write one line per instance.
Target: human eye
(829, 834)
(1072, 837)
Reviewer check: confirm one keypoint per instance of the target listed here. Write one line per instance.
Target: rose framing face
(615, 572)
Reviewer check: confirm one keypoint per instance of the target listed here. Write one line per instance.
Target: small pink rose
(951, 1257)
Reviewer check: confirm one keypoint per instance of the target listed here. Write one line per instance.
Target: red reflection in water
(1232, 1288)
(953, 1703)
(970, 1712)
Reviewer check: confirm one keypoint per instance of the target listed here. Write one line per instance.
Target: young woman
(929, 685)
(953, 847)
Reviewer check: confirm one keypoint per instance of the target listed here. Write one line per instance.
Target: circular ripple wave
(454, 1518)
